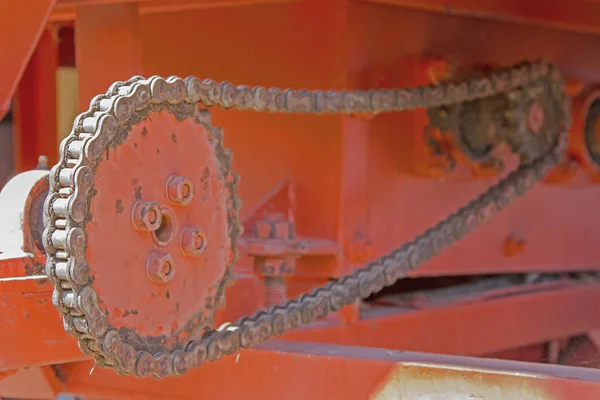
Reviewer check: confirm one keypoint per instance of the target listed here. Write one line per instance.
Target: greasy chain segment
(67, 206)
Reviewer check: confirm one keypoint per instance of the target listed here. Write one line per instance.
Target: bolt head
(180, 190)
(193, 242)
(275, 226)
(160, 267)
(146, 216)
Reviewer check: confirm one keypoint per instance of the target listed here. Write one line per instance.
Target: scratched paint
(431, 382)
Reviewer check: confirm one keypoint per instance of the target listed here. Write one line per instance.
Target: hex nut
(274, 226)
(160, 267)
(275, 266)
(193, 242)
(146, 216)
(180, 190)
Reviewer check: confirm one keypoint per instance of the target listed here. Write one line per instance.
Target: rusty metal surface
(126, 103)
(179, 271)
(91, 177)
(420, 376)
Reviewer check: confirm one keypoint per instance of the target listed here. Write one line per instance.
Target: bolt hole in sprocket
(142, 263)
(166, 231)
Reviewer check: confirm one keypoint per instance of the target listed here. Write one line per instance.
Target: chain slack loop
(95, 130)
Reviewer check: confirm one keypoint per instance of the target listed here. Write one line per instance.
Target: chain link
(126, 103)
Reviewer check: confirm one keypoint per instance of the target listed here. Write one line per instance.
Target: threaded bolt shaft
(275, 290)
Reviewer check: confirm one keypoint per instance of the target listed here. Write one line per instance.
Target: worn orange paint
(419, 376)
(167, 148)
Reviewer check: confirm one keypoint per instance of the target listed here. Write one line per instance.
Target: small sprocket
(532, 117)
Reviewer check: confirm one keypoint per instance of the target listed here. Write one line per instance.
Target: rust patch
(119, 206)
(205, 183)
(138, 193)
(416, 381)
(60, 373)
(144, 132)
(33, 268)
(174, 137)
(168, 295)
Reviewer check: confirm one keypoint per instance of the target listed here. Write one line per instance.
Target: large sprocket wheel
(141, 226)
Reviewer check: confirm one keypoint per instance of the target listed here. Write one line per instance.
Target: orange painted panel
(267, 148)
(22, 24)
(580, 15)
(554, 221)
(29, 317)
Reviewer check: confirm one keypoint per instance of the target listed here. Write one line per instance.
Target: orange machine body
(355, 186)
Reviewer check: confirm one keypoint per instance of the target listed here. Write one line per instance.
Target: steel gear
(475, 126)
(67, 213)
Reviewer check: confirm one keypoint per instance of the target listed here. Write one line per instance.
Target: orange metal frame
(355, 186)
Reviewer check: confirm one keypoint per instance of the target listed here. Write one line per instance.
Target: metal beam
(502, 323)
(293, 370)
(576, 15)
